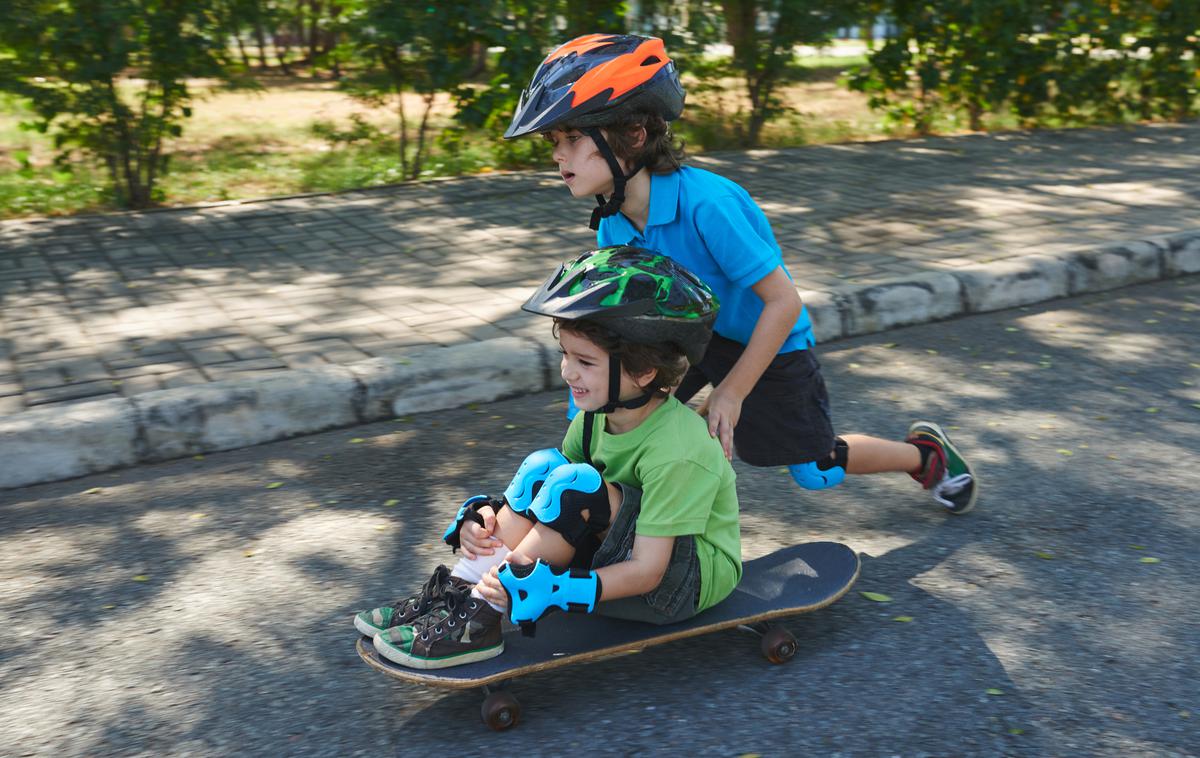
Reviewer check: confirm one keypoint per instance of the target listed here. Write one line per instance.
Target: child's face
(585, 370)
(579, 162)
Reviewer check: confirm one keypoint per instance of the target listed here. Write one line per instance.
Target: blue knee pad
(810, 477)
(567, 492)
(528, 480)
(825, 473)
(534, 589)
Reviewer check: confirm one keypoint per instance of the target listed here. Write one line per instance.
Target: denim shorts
(676, 596)
(785, 418)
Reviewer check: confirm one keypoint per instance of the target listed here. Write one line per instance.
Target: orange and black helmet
(596, 79)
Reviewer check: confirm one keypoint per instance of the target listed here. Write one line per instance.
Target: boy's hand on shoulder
(491, 589)
(723, 409)
(476, 540)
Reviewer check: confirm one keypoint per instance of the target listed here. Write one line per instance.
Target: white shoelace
(950, 486)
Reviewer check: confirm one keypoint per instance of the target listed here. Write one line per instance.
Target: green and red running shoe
(946, 474)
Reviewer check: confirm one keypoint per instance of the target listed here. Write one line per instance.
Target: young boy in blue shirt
(605, 102)
(636, 517)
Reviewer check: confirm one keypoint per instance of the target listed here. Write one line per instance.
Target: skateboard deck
(790, 581)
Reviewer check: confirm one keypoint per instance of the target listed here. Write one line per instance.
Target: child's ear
(638, 133)
(645, 379)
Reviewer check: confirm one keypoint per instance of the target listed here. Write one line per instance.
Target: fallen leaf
(1148, 559)
(510, 426)
(249, 553)
(198, 457)
(877, 597)
(1137, 547)
(108, 607)
(199, 515)
(390, 503)
(356, 440)
(92, 491)
(1151, 409)
(1112, 457)
(141, 578)
(903, 619)
(1101, 418)
(1016, 732)
(1044, 556)
(994, 691)
(1064, 451)
(274, 485)
(889, 345)
(1011, 329)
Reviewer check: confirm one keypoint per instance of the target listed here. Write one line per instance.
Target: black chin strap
(614, 402)
(605, 208)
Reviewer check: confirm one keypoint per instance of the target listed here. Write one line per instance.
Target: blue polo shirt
(712, 226)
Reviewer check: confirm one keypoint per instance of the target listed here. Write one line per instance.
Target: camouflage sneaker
(411, 608)
(947, 476)
(464, 629)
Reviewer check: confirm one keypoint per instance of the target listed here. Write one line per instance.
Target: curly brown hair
(666, 360)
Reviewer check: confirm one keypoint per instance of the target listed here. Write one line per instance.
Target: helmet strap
(610, 207)
(614, 389)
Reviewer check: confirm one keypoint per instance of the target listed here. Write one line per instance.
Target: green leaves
(990, 61)
(877, 597)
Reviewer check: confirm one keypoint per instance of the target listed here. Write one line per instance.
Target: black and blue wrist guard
(535, 588)
(468, 511)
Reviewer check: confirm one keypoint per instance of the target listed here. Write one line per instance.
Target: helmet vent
(651, 60)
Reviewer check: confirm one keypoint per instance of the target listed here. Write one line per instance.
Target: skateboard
(790, 581)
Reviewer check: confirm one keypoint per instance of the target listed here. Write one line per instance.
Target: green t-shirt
(687, 486)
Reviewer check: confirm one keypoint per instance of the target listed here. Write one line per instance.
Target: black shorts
(785, 418)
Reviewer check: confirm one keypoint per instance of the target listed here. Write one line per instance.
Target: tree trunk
(260, 36)
(416, 171)
(242, 49)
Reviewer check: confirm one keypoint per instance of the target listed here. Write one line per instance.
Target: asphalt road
(203, 606)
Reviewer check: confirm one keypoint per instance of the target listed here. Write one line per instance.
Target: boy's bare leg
(511, 528)
(871, 455)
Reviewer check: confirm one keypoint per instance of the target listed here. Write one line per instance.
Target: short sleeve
(739, 249)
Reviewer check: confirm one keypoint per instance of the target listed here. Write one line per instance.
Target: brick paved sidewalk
(122, 304)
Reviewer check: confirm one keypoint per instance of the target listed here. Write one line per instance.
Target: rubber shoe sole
(395, 655)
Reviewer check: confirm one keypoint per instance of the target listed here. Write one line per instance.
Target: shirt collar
(664, 198)
(664, 205)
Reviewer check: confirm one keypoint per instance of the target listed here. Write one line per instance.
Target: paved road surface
(194, 608)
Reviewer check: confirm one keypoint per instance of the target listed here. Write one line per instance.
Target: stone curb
(52, 444)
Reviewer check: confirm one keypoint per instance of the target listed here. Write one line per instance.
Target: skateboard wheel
(778, 645)
(500, 711)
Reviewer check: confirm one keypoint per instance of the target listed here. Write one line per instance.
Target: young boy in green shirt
(636, 517)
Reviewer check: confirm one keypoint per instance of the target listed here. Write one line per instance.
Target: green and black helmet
(640, 295)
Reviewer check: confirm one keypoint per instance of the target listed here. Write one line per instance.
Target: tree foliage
(110, 77)
(1037, 60)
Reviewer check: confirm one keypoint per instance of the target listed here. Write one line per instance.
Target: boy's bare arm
(641, 573)
(781, 308)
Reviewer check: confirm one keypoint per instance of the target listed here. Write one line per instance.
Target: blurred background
(111, 104)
